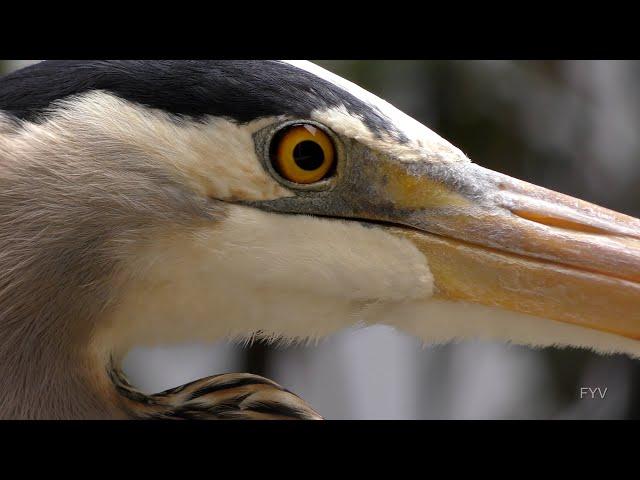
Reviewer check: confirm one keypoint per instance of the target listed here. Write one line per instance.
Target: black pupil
(308, 155)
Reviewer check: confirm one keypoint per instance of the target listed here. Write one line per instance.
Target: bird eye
(303, 153)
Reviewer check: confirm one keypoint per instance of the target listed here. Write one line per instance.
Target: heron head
(278, 198)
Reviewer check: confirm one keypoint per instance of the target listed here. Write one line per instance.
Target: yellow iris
(303, 154)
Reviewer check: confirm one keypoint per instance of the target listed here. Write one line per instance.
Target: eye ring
(303, 153)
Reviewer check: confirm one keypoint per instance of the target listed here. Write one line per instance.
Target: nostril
(559, 222)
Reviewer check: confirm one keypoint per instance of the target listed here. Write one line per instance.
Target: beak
(498, 241)
(492, 239)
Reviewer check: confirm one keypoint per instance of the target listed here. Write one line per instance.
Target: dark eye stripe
(241, 90)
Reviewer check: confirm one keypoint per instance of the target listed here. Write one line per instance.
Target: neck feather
(68, 217)
(230, 396)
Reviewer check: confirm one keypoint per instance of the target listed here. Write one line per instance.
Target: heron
(158, 202)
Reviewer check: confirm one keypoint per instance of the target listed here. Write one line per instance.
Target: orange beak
(498, 241)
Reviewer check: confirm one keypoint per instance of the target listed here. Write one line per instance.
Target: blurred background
(571, 126)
